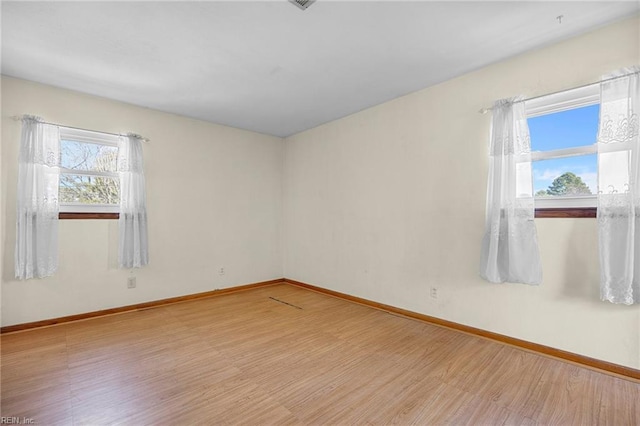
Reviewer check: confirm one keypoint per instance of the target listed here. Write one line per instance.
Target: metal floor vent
(284, 303)
(302, 4)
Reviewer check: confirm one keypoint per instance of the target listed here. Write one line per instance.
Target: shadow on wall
(10, 146)
(8, 262)
(582, 276)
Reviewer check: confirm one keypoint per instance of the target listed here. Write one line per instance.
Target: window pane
(88, 156)
(89, 189)
(566, 176)
(565, 129)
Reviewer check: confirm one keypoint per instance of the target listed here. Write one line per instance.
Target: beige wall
(389, 202)
(214, 197)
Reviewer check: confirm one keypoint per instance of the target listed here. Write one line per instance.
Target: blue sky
(566, 129)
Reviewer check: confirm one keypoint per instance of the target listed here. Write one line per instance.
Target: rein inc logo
(16, 421)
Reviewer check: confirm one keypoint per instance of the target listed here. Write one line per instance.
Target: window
(88, 176)
(563, 128)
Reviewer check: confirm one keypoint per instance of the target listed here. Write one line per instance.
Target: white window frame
(98, 138)
(557, 102)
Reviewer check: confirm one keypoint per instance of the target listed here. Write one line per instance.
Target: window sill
(567, 212)
(69, 215)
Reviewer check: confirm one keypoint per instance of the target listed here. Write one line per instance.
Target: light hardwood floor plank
(289, 356)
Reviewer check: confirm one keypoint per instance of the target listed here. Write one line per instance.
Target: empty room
(320, 212)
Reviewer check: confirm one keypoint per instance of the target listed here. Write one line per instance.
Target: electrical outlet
(434, 292)
(131, 282)
(221, 270)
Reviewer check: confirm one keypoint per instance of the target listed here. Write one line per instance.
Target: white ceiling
(269, 66)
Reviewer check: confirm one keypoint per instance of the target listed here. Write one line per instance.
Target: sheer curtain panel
(510, 244)
(36, 254)
(619, 187)
(133, 251)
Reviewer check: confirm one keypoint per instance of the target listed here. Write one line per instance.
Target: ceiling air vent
(302, 4)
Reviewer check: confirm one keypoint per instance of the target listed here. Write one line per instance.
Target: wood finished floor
(246, 358)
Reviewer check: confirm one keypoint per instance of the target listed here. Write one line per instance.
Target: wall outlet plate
(131, 282)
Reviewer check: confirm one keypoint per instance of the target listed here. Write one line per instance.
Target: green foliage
(566, 184)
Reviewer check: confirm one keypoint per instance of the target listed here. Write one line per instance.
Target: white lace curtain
(36, 254)
(133, 249)
(510, 244)
(619, 187)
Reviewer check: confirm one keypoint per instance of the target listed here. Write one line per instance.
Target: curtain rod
(20, 117)
(486, 110)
